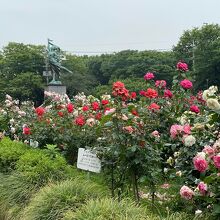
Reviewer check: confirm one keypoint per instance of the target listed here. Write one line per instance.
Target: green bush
(10, 152)
(39, 167)
(108, 209)
(53, 200)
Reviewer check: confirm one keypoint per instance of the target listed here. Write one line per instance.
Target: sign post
(87, 160)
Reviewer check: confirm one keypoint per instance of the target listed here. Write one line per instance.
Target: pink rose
(175, 130)
(165, 186)
(186, 192)
(182, 66)
(128, 129)
(160, 83)
(187, 129)
(149, 76)
(209, 150)
(186, 84)
(168, 93)
(216, 160)
(155, 134)
(194, 108)
(200, 164)
(202, 188)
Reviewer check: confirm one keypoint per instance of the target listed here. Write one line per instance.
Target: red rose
(133, 95)
(118, 85)
(106, 109)
(105, 102)
(60, 114)
(70, 107)
(80, 120)
(153, 106)
(85, 108)
(40, 111)
(194, 108)
(95, 106)
(151, 93)
(26, 131)
(142, 93)
(168, 93)
(98, 116)
(134, 112)
(120, 90)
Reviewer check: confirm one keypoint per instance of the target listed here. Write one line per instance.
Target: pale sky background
(99, 26)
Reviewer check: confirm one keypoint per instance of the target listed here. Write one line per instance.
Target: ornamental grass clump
(15, 192)
(52, 201)
(108, 209)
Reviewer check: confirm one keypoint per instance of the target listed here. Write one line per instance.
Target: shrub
(10, 152)
(39, 167)
(53, 200)
(108, 209)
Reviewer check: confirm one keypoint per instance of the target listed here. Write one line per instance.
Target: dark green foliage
(132, 64)
(21, 68)
(80, 80)
(26, 86)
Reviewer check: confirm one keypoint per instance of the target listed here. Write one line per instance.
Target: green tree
(26, 86)
(80, 80)
(19, 58)
(200, 47)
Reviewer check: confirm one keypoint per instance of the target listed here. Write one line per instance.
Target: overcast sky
(85, 26)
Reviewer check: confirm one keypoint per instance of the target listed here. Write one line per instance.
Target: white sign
(88, 160)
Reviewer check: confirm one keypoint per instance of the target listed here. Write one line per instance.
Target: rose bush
(161, 132)
(206, 161)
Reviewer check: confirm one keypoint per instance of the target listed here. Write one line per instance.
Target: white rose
(189, 141)
(179, 173)
(198, 212)
(209, 92)
(12, 121)
(90, 121)
(176, 154)
(106, 97)
(201, 154)
(213, 104)
(12, 130)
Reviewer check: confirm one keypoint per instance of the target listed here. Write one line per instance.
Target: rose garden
(159, 150)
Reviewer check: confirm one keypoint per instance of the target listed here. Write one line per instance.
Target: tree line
(22, 66)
